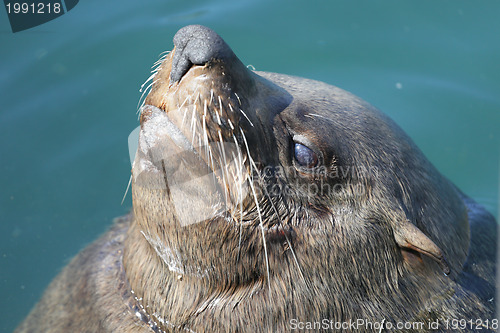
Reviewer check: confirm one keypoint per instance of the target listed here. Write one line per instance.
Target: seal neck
(155, 285)
(135, 304)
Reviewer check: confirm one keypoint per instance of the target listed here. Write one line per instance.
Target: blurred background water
(69, 91)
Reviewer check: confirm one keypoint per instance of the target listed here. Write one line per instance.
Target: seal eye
(305, 156)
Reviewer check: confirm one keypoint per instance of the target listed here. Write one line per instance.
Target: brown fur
(374, 249)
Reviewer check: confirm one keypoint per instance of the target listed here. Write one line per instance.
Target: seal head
(261, 197)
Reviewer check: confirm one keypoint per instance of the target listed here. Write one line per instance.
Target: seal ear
(408, 236)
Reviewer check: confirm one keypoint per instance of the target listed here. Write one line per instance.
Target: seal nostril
(198, 45)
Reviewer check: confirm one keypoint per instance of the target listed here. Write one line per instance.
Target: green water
(69, 90)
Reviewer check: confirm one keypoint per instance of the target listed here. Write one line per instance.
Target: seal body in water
(269, 203)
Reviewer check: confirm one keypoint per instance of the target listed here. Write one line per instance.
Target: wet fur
(343, 256)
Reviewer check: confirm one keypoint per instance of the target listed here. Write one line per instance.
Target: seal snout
(197, 45)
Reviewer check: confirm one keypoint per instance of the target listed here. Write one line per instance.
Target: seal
(269, 203)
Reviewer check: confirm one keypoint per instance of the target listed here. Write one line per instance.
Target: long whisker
(246, 117)
(224, 169)
(204, 127)
(142, 99)
(154, 70)
(240, 194)
(238, 97)
(286, 237)
(193, 123)
(126, 191)
(252, 163)
(279, 219)
(162, 56)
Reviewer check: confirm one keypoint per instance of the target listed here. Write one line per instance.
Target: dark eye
(305, 156)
